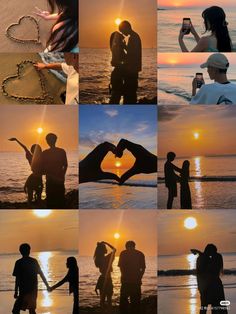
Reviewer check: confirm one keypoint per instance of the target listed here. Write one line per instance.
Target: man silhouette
(171, 178)
(26, 271)
(132, 267)
(55, 165)
(133, 63)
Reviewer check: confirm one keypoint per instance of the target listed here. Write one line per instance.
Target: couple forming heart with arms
(90, 166)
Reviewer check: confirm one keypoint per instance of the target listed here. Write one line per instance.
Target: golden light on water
(44, 258)
(42, 213)
(118, 21)
(190, 223)
(39, 130)
(116, 235)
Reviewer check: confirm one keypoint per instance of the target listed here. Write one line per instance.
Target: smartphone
(186, 25)
(199, 78)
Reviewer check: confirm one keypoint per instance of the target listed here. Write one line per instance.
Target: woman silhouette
(104, 261)
(185, 193)
(73, 278)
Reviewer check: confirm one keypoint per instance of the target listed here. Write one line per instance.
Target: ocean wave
(188, 272)
(12, 189)
(177, 92)
(206, 179)
(139, 184)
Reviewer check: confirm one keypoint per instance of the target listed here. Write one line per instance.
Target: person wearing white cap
(222, 91)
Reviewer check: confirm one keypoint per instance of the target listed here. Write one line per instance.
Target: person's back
(134, 53)
(170, 176)
(54, 161)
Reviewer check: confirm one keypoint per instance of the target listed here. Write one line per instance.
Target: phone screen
(186, 24)
(199, 77)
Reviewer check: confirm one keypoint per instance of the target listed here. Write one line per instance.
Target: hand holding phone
(199, 79)
(186, 26)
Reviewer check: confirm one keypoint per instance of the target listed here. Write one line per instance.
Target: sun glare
(39, 130)
(196, 135)
(190, 223)
(118, 21)
(116, 235)
(118, 164)
(42, 213)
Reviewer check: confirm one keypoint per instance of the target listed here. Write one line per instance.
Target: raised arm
(21, 144)
(110, 246)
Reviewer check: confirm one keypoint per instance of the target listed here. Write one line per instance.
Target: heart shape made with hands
(23, 77)
(14, 30)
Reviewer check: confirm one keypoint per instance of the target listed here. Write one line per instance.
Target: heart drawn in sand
(42, 98)
(16, 28)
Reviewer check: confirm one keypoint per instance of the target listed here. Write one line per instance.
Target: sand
(28, 85)
(11, 11)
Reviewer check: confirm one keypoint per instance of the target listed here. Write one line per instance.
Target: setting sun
(42, 213)
(118, 21)
(117, 236)
(39, 130)
(190, 223)
(196, 135)
(118, 164)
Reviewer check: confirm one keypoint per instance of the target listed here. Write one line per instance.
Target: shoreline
(72, 201)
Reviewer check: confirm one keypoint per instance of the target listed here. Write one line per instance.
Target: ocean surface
(89, 275)
(53, 265)
(181, 293)
(215, 187)
(170, 22)
(139, 192)
(95, 72)
(175, 83)
(15, 170)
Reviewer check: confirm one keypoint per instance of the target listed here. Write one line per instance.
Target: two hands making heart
(90, 166)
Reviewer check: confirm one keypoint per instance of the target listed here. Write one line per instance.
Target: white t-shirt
(215, 94)
(72, 85)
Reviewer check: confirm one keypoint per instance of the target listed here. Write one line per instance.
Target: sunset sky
(98, 21)
(58, 231)
(24, 121)
(139, 226)
(178, 126)
(188, 60)
(195, 3)
(97, 124)
(216, 227)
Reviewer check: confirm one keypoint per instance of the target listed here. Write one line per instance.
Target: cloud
(112, 112)
(142, 126)
(168, 113)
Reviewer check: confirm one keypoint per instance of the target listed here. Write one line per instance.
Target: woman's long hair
(99, 254)
(185, 169)
(65, 38)
(215, 21)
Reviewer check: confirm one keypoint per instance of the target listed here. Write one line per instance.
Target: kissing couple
(90, 167)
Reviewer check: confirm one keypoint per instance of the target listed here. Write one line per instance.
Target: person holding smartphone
(222, 91)
(215, 23)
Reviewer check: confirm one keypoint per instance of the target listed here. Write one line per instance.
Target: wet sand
(29, 85)
(11, 11)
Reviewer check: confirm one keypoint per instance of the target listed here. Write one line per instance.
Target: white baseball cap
(216, 60)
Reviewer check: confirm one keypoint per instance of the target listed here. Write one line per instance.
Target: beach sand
(11, 11)
(29, 85)
(53, 303)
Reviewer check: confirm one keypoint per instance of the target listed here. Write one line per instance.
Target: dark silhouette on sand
(127, 62)
(54, 167)
(185, 193)
(209, 269)
(34, 184)
(72, 277)
(132, 267)
(104, 262)
(26, 271)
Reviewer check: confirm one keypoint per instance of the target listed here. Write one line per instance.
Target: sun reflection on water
(44, 258)
(192, 282)
(198, 185)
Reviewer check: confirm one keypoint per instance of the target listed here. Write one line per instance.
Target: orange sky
(98, 21)
(57, 231)
(214, 226)
(100, 225)
(193, 3)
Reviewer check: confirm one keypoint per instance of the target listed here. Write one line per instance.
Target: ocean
(95, 72)
(89, 275)
(139, 192)
(170, 22)
(215, 186)
(53, 265)
(15, 170)
(180, 292)
(175, 83)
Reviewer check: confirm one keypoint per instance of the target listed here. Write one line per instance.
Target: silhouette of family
(209, 268)
(127, 63)
(132, 267)
(53, 164)
(171, 179)
(26, 273)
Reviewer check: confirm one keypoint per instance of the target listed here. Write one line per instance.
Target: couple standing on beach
(171, 179)
(53, 163)
(127, 63)
(132, 266)
(26, 272)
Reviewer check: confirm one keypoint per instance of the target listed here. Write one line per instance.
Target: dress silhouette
(185, 193)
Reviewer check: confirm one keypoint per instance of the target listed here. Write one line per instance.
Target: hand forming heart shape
(44, 98)
(13, 26)
(90, 166)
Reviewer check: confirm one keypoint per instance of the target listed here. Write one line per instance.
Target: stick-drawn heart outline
(23, 41)
(45, 98)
